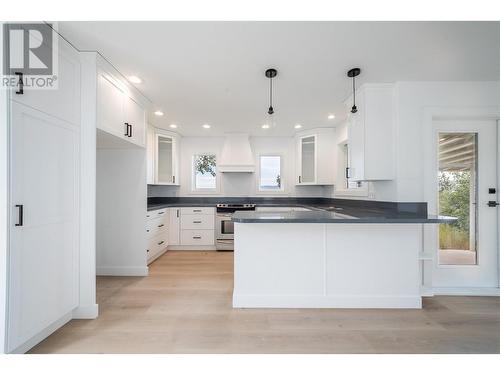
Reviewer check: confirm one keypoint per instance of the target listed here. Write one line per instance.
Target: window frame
(281, 190)
(196, 190)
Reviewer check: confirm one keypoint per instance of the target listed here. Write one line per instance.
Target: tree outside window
(205, 172)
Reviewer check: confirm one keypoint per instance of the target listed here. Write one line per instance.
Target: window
(270, 173)
(204, 172)
(457, 197)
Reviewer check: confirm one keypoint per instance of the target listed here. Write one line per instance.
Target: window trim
(279, 191)
(194, 189)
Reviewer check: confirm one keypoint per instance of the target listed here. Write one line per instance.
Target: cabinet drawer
(150, 215)
(197, 211)
(197, 222)
(197, 237)
(155, 226)
(156, 245)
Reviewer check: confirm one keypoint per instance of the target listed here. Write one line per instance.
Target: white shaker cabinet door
(44, 222)
(135, 116)
(110, 108)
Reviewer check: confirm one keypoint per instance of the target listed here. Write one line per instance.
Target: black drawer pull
(159, 243)
(196, 237)
(21, 215)
(20, 83)
(196, 210)
(161, 225)
(197, 222)
(161, 213)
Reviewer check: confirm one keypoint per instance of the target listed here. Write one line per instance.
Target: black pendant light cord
(353, 73)
(354, 91)
(271, 73)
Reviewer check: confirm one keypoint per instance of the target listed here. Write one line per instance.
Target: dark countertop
(321, 216)
(323, 210)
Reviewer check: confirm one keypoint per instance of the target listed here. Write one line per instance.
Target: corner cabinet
(370, 134)
(163, 157)
(315, 157)
(119, 111)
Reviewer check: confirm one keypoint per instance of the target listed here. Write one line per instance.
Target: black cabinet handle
(161, 213)
(347, 174)
(177, 213)
(300, 179)
(173, 179)
(493, 204)
(21, 215)
(126, 129)
(161, 225)
(159, 243)
(196, 210)
(20, 83)
(130, 134)
(197, 238)
(197, 222)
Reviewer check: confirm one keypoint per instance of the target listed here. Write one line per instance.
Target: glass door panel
(308, 160)
(164, 159)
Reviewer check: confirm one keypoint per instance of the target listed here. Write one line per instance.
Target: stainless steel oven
(224, 227)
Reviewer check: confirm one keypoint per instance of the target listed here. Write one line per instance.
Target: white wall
(238, 184)
(413, 100)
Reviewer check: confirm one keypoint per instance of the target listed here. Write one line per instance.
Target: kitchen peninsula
(356, 254)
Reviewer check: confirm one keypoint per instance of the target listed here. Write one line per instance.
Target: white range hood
(236, 154)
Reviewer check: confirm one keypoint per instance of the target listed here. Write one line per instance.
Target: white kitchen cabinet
(197, 226)
(157, 231)
(315, 157)
(370, 134)
(119, 110)
(166, 161)
(44, 212)
(150, 154)
(174, 232)
(135, 116)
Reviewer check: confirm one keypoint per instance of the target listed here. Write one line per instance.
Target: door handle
(20, 83)
(493, 204)
(20, 222)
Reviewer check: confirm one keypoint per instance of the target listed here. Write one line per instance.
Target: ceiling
(213, 72)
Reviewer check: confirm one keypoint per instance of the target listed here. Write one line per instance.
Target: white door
(43, 276)
(465, 166)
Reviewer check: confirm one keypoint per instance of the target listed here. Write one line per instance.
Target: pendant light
(271, 73)
(353, 73)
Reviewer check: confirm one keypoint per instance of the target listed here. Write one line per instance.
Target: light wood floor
(184, 306)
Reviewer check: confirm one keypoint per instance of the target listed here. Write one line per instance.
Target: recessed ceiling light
(173, 126)
(134, 79)
(297, 126)
(158, 113)
(331, 116)
(206, 126)
(265, 126)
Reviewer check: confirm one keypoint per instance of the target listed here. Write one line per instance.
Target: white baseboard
(23, 348)
(192, 248)
(86, 312)
(322, 301)
(122, 271)
(464, 291)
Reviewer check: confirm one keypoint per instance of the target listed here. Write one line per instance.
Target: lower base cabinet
(158, 234)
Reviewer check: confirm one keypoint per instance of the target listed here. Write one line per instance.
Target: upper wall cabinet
(119, 111)
(163, 157)
(370, 134)
(315, 157)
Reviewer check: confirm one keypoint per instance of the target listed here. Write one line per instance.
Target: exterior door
(466, 180)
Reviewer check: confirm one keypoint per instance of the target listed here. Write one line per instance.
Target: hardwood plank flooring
(184, 306)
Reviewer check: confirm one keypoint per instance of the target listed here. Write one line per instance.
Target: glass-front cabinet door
(165, 171)
(307, 160)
